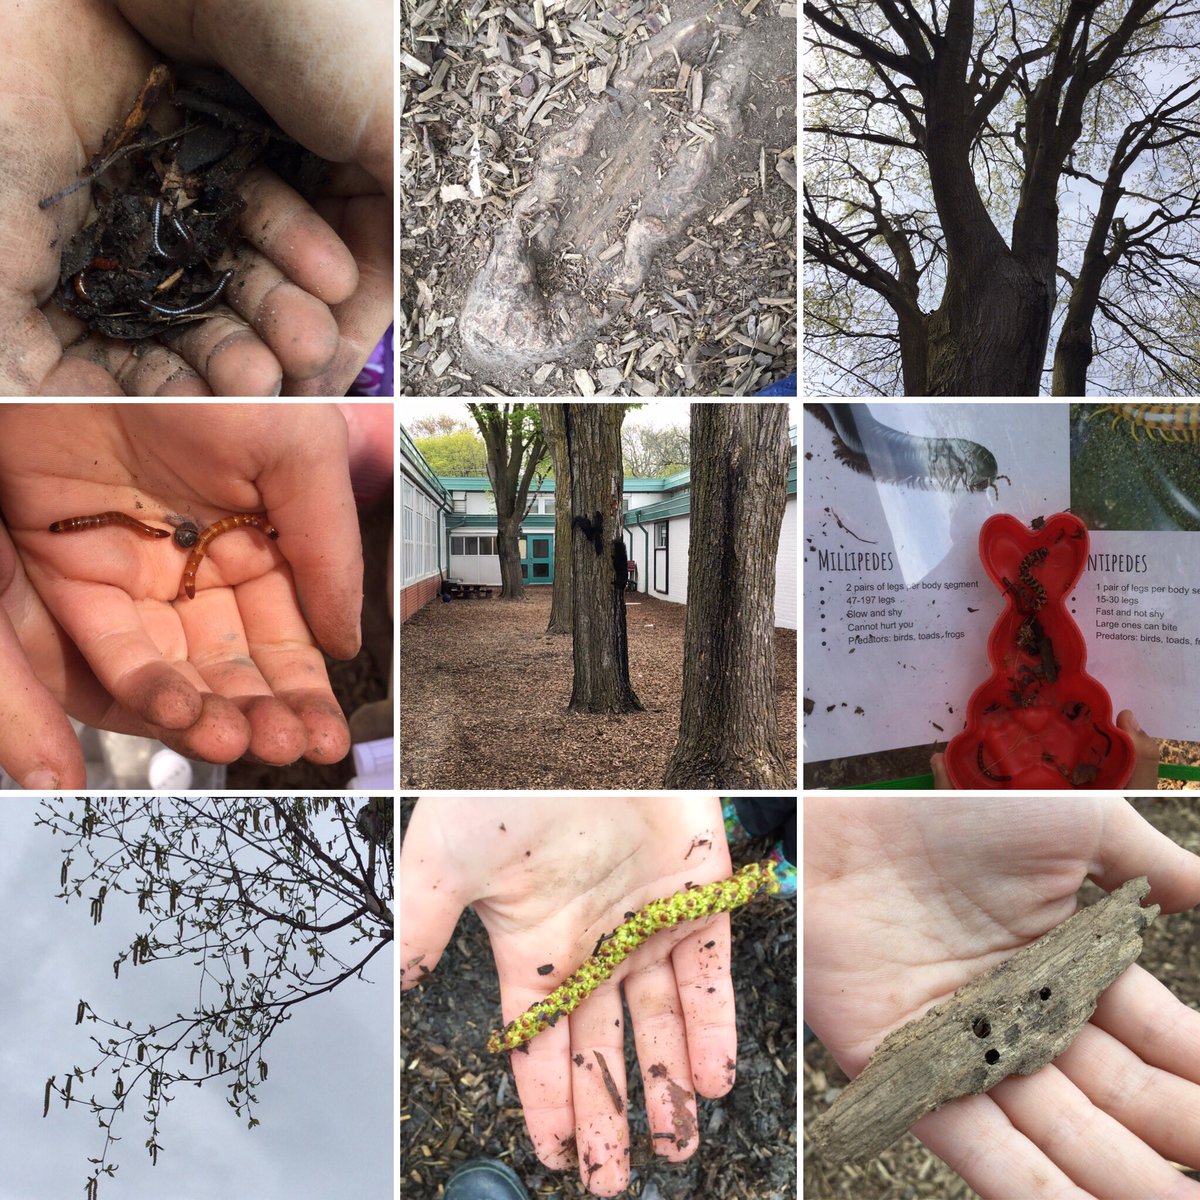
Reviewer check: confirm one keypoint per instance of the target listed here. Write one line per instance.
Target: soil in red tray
(165, 190)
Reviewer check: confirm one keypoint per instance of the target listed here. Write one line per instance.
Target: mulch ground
(484, 693)
(907, 1170)
(459, 1102)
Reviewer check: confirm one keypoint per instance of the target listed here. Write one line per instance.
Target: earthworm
(186, 310)
(1171, 422)
(238, 521)
(891, 456)
(80, 278)
(74, 524)
(688, 905)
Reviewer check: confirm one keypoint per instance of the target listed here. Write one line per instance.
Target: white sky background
(326, 1108)
(654, 414)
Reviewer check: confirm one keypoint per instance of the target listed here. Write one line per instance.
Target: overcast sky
(654, 414)
(326, 1109)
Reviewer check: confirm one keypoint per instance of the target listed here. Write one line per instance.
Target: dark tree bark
(728, 730)
(990, 330)
(515, 447)
(555, 433)
(598, 560)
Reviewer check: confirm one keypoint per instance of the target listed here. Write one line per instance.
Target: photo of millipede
(74, 524)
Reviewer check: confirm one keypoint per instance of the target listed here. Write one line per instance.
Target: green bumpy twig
(704, 901)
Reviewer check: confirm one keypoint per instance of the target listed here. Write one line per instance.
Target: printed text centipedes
(689, 905)
(238, 521)
(74, 524)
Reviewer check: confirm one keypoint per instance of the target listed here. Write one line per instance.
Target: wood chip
(612, 251)
(532, 107)
(543, 372)
(735, 207)
(750, 7)
(597, 80)
(413, 64)
(454, 191)
(440, 363)
(585, 384)
(786, 171)
(698, 90)
(694, 128)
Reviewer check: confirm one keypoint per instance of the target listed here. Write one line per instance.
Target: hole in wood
(981, 1027)
(992, 1056)
(1044, 993)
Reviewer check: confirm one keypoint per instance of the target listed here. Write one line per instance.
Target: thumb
(1130, 846)
(307, 494)
(941, 777)
(1147, 751)
(429, 908)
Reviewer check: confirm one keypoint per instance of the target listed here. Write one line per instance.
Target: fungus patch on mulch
(484, 693)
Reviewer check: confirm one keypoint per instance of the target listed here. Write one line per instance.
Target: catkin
(689, 905)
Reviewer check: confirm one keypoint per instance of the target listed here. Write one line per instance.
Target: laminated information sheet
(897, 606)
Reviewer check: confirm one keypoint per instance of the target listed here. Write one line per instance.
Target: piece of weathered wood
(1011, 1020)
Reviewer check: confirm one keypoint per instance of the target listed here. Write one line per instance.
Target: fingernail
(40, 780)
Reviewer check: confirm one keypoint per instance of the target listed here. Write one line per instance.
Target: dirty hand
(907, 900)
(38, 748)
(324, 72)
(548, 878)
(1145, 768)
(54, 114)
(238, 667)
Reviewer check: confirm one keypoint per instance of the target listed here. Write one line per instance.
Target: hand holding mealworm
(546, 902)
(906, 901)
(239, 667)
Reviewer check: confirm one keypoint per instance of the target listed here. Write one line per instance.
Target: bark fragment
(1011, 1020)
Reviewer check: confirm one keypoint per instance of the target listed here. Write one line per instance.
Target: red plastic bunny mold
(1040, 721)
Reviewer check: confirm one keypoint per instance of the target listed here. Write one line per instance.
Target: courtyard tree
(599, 561)
(516, 450)
(274, 901)
(1001, 199)
(728, 728)
(554, 430)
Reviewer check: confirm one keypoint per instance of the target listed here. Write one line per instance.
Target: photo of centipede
(887, 455)
(1136, 466)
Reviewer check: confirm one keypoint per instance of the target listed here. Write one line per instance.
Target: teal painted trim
(677, 506)
(477, 483)
(537, 521)
(416, 460)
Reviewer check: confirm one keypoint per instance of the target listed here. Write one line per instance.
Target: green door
(537, 557)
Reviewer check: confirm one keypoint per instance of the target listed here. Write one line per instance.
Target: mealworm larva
(1170, 422)
(689, 905)
(74, 524)
(237, 521)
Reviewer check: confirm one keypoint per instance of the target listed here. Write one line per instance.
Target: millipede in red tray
(237, 521)
(74, 524)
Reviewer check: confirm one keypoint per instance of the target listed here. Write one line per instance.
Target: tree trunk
(515, 447)
(554, 431)
(598, 560)
(728, 730)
